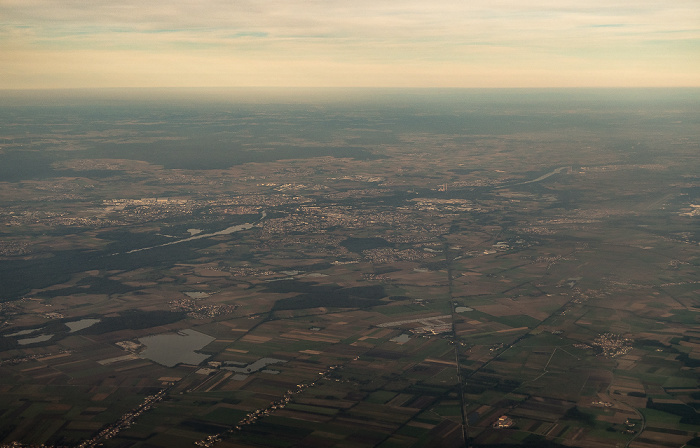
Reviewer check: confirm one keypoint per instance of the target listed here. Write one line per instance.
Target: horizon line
(272, 87)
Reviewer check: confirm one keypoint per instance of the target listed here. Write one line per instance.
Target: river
(544, 176)
(199, 236)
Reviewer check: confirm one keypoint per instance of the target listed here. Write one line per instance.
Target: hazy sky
(402, 43)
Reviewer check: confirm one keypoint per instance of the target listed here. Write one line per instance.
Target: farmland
(352, 283)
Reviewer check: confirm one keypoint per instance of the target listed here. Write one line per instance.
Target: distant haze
(331, 43)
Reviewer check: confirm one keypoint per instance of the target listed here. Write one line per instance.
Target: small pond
(463, 309)
(81, 324)
(401, 339)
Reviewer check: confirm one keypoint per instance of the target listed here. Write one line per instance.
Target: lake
(41, 338)
(176, 348)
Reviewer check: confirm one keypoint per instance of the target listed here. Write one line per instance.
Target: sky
(340, 43)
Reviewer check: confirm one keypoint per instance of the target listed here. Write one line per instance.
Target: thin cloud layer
(333, 43)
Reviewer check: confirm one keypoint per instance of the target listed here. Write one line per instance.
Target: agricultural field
(303, 275)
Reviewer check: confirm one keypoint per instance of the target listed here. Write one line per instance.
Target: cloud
(475, 37)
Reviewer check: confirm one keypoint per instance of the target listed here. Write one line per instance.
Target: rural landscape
(350, 268)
